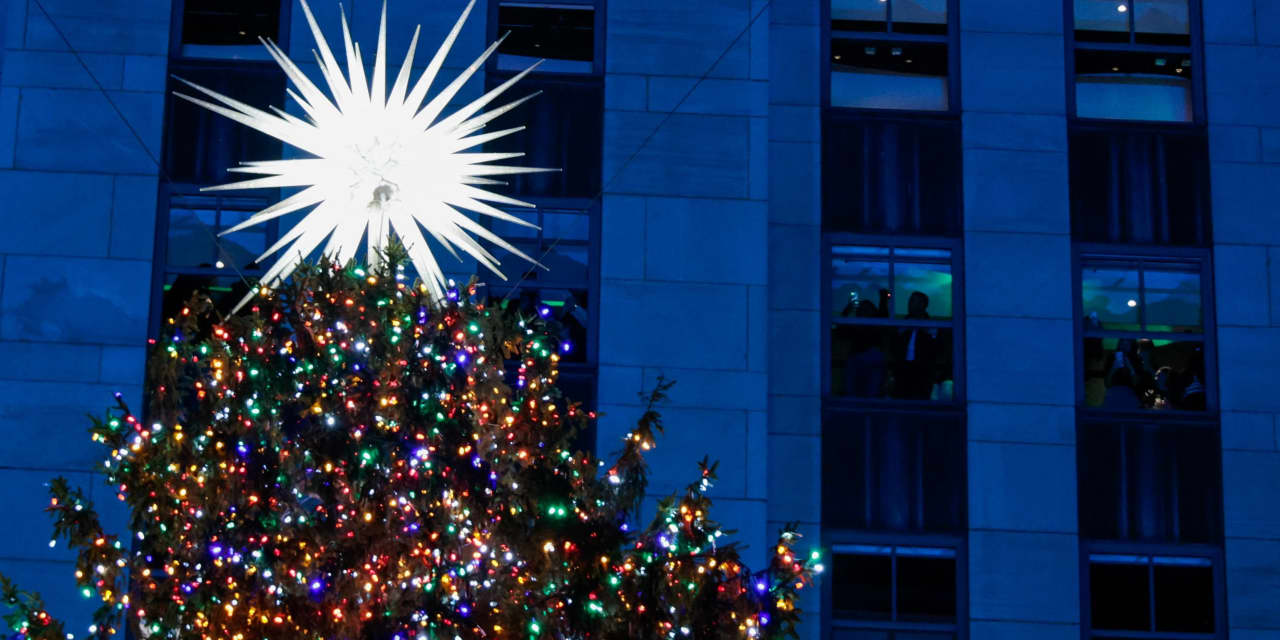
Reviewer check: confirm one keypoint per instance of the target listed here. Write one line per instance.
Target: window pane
(926, 589)
(1119, 596)
(920, 16)
(244, 246)
(858, 15)
(1110, 298)
(1133, 86)
(907, 363)
(557, 32)
(1148, 187)
(891, 176)
(190, 241)
(565, 263)
(511, 230)
(563, 126)
(895, 472)
(1147, 373)
(1150, 483)
(889, 75)
(860, 288)
(861, 586)
(924, 291)
(229, 22)
(1184, 598)
(566, 226)
(1102, 20)
(1173, 299)
(202, 144)
(1162, 22)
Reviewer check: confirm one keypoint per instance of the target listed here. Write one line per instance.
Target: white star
(381, 162)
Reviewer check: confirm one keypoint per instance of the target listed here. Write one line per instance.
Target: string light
(352, 458)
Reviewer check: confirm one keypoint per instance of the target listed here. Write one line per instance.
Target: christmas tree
(354, 457)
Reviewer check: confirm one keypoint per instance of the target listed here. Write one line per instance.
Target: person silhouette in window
(865, 367)
(915, 353)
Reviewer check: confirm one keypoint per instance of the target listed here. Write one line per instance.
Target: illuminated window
(1144, 339)
(1133, 60)
(891, 54)
(892, 323)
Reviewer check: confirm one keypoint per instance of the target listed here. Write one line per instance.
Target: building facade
(984, 294)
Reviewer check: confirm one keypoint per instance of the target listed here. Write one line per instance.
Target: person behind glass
(915, 353)
(864, 370)
(1123, 377)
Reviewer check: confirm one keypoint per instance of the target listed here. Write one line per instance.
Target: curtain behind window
(1140, 187)
(891, 176)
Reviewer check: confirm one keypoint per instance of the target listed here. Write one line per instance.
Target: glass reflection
(1102, 20)
(1172, 300)
(1110, 298)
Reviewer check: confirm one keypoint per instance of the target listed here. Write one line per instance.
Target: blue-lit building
(983, 293)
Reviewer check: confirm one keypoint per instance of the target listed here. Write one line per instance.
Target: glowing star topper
(380, 161)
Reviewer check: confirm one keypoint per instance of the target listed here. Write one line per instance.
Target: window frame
(956, 246)
(1080, 255)
(951, 39)
(1182, 421)
(241, 53)
(161, 270)
(958, 543)
(1195, 50)
(1214, 554)
(592, 210)
(598, 30)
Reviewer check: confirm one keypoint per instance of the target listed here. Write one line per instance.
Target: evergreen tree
(352, 460)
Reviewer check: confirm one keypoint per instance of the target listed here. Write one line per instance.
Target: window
(890, 175)
(199, 144)
(1144, 334)
(566, 242)
(894, 592)
(228, 29)
(1133, 60)
(895, 472)
(191, 257)
(565, 122)
(892, 323)
(892, 54)
(1145, 482)
(563, 35)
(563, 243)
(1140, 186)
(1138, 596)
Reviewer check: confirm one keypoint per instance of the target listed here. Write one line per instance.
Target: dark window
(892, 322)
(1144, 334)
(1150, 483)
(1141, 187)
(885, 471)
(561, 34)
(891, 176)
(564, 125)
(229, 22)
(891, 54)
(893, 591)
(1151, 594)
(201, 144)
(1133, 60)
